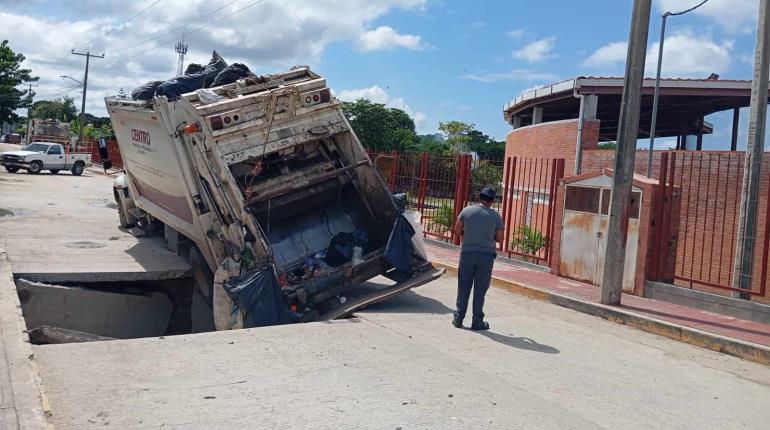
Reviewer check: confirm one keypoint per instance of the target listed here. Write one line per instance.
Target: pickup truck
(40, 156)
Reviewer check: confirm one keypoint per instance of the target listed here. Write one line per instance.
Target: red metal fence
(440, 186)
(530, 192)
(701, 196)
(92, 146)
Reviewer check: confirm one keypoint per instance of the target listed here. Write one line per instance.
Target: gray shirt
(480, 225)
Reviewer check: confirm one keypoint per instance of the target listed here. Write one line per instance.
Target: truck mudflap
(427, 275)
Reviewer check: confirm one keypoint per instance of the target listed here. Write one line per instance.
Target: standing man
(479, 227)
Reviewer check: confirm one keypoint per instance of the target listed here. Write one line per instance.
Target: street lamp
(70, 77)
(657, 80)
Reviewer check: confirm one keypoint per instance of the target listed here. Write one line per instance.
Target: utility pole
(181, 49)
(628, 129)
(29, 114)
(88, 56)
(747, 224)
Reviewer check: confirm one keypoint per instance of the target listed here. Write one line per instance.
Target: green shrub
(528, 240)
(443, 219)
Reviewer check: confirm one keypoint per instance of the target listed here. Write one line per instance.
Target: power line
(124, 22)
(188, 33)
(158, 36)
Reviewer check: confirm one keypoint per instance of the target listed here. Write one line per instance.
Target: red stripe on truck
(177, 205)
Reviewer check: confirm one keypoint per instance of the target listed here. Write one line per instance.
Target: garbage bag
(215, 66)
(398, 251)
(146, 91)
(258, 295)
(174, 88)
(340, 249)
(193, 68)
(231, 74)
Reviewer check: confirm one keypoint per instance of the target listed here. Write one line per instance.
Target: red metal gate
(697, 234)
(529, 200)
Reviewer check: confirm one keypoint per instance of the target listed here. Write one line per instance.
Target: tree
(485, 146)
(62, 109)
(433, 143)
(457, 134)
(379, 127)
(11, 76)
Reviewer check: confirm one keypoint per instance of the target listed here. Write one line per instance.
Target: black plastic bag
(173, 88)
(146, 91)
(231, 74)
(340, 249)
(258, 295)
(215, 66)
(398, 251)
(193, 68)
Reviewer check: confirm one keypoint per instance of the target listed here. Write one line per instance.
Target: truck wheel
(54, 171)
(78, 168)
(11, 169)
(35, 167)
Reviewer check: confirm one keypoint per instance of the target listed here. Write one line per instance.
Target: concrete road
(402, 365)
(399, 365)
(64, 228)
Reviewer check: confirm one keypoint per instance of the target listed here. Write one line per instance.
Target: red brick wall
(555, 139)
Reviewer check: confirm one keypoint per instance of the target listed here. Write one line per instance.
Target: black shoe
(483, 325)
(458, 323)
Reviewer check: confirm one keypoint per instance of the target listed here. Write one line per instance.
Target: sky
(438, 60)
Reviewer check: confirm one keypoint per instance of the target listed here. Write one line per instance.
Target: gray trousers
(475, 272)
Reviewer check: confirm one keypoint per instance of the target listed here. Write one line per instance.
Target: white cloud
(732, 15)
(288, 33)
(685, 54)
(516, 34)
(688, 55)
(609, 55)
(386, 39)
(536, 51)
(376, 94)
(513, 75)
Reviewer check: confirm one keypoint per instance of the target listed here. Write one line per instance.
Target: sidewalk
(22, 405)
(746, 339)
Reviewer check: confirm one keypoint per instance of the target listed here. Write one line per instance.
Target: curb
(27, 398)
(715, 342)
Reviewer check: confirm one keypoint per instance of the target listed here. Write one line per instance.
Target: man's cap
(488, 192)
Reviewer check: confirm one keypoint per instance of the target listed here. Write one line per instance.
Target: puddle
(85, 245)
(5, 212)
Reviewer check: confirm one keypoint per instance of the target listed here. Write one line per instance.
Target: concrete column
(588, 105)
(537, 115)
(736, 120)
(516, 122)
(749, 209)
(699, 144)
(628, 130)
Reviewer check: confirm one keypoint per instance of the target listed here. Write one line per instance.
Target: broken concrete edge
(27, 395)
(715, 342)
(88, 277)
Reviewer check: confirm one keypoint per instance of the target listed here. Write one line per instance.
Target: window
(55, 150)
(582, 199)
(633, 208)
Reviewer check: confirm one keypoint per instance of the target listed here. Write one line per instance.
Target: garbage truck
(287, 215)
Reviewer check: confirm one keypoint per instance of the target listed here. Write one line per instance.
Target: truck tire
(54, 171)
(35, 167)
(78, 168)
(11, 169)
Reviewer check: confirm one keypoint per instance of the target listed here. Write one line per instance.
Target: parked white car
(40, 156)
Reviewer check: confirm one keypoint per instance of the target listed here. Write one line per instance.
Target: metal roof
(681, 105)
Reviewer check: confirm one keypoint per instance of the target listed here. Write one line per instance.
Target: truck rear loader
(287, 213)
